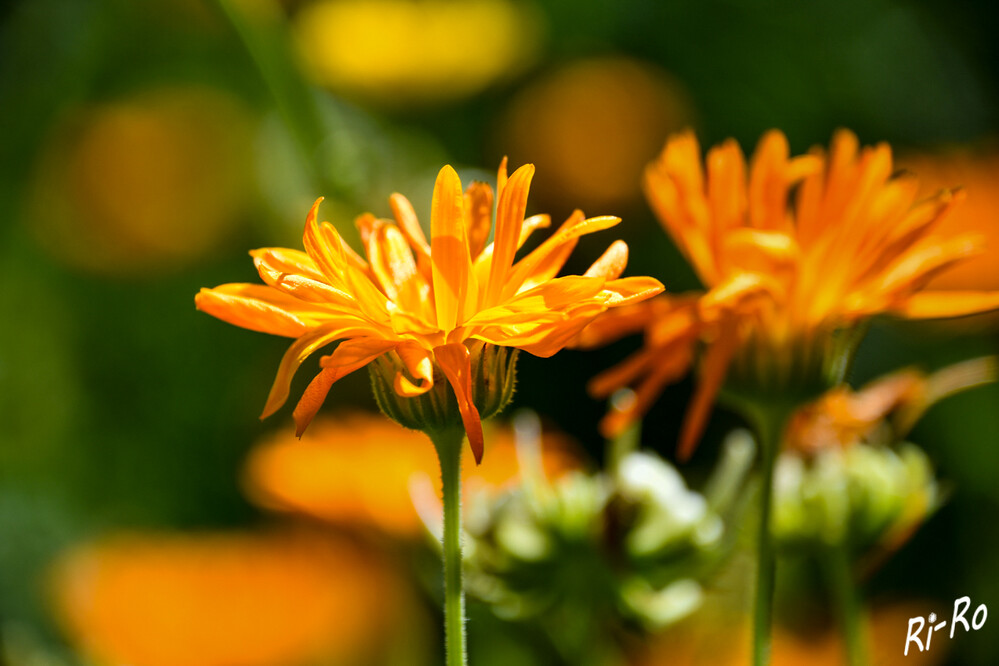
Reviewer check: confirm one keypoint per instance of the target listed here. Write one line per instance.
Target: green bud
(493, 380)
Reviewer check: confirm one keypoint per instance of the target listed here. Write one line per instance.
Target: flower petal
(945, 304)
(510, 213)
(251, 306)
(479, 214)
(419, 363)
(630, 290)
(714, 367)
(302, 348)
(611, 263)
(454, 360)
(345, 359)
(409, 224)
(450, 260)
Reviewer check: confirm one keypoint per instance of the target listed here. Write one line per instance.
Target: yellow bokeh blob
(400, 51)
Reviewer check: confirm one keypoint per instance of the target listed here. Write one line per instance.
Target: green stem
(449, 447)
(770, 427)
(848, 605)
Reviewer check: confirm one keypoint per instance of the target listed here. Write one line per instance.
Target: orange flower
(356, 469)
(225, 599)
(978, 173)
(791, 251)
(843, 417)
(433, 305)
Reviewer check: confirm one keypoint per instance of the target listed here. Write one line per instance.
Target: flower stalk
(848, 605)
(770, 421)
(448, 443)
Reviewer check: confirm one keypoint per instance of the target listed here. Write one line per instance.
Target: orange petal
(611, 263)
(501, 176)
(547, 259)
(479, 211)
(301, 349)
(509, 219)
(767, 183)
(345, 359)
(727, 186)
(630, 290)
(419, 363)
(714, 367)
(449, 250)
(760, 251)
(673, 362)
(454, 361)
(242, 306)
(405, 216)
(272, 271)
(945, 304)
(329, 260)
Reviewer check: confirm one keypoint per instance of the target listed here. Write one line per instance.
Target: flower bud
(493, 378)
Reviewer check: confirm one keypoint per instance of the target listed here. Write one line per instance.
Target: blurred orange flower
(782, 277)
(433, 305)
(842, 417)
(149, 181)
(355, 468)
(978, 175)
(225, 599)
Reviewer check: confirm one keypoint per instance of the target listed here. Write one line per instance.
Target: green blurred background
(146, 146)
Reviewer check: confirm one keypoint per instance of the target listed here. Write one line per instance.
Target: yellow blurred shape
(226, 599)
(397, 51)
(978, 174)
(355, 469)
(591, 128)
(143, 183)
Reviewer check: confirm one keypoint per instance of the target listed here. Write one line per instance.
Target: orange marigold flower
(326, 474)
(843, 417)
(433, 306)
(226, 599)
(791, 251)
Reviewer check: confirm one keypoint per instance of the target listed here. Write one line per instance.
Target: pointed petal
(329, 260)
(547, 258)
(611, 263)
(673, 362)
(767, 183)
(623, 374)
(408, 223)
(714, 367)
(345, 359)
(301, 349)
(479, 211)
(449, 250)
(251, 307)
(501, 176)
(946, 304)
(630, 290)
(272, 271)
(453, 359)
(509, 219)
